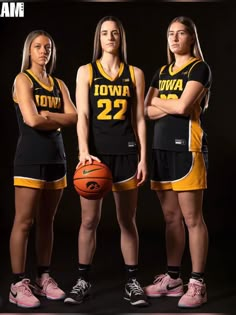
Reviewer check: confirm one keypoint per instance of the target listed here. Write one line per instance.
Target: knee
(90, 223)
(127, 222)
(173, 218)
(23, 225)
(191, 222)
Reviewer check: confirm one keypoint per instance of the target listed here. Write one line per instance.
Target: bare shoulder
(139, 75)
(83, 71)
(138, 71)
(22, 79)
(21, 76)
(61, 83)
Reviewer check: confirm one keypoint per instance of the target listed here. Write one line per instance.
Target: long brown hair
(191, 28)
(97, 49)
(26, 60)
(195, 48)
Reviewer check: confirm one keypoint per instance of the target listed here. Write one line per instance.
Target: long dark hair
(26, 60)
(97, 49)
(191, 28)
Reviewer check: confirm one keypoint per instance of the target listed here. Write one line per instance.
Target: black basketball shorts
(178, 171)
(124, 170)
(49, 176)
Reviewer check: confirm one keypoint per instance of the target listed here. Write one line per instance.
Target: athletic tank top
(38, 146)
(176, 132)
(111, 102)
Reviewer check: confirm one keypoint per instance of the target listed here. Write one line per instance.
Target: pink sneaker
(195, 296)
(164, 285)
(21, 295)
(47, 286)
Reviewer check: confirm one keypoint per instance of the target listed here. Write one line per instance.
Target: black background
(72, 25)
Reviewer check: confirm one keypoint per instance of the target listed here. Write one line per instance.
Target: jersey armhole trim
(90, 74)
(193, 66)
(131, 69)
(58, 82)
(13, 87)
(162, 69)
(28, 77)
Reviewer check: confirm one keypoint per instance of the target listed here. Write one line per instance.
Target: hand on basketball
(92, 180)
(87, 158)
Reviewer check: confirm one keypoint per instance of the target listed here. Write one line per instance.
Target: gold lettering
(126, 91)
(112, 90)
(43, 101)
(54, 102)
(103, 90)
(179, 85)
(96, 92)
(37, 100)
(48, 101)
(162, 85)
(171, 85)
(115, 90)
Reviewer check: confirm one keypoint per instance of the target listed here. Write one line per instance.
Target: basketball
(92, 181)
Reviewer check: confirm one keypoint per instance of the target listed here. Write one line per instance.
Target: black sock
(197, 276)
(83, 271)
(131, 272)
(17, 277)
(173, 271)
(42, 269)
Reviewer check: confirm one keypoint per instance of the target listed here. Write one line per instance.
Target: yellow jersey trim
(46, 87)
(101, 70)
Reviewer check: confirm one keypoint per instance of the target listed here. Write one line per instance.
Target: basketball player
(43, 105)
(111, 128)
(176, 101)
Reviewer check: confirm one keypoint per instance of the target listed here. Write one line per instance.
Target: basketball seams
(94, 164)
(93, 181)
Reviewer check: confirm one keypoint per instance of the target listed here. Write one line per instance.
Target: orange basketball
(92, 181)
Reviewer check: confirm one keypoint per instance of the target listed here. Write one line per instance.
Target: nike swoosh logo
(99, 78)
(168, 287)
(37, 89)
(14, 294)
(90, 171)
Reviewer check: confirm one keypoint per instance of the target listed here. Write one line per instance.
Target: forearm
(41, 123)
(83, 135)
(170, 106)
(141, 134)
(63, 119)
(152, 112)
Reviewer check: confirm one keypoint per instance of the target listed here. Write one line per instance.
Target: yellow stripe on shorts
(195, 179)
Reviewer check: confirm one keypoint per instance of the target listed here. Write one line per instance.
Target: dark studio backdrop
(72, 25)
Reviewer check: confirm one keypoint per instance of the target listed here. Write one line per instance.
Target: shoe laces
(194, 289)
(49, 282)
(24, 287)
(80, 286)
(159, 278)
(135, 287)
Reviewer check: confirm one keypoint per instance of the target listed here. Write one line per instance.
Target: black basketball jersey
(38, 146)
(111, 102)
(176, 132)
